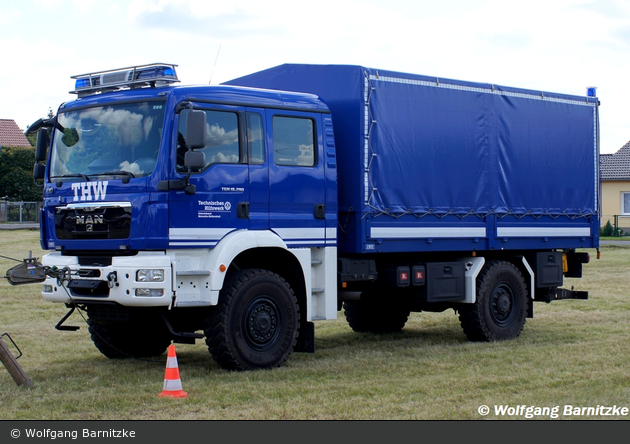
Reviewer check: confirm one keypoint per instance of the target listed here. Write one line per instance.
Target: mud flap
(306, 338)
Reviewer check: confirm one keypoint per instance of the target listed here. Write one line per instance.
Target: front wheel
(141, 337)
(501, 307)
(256, 323)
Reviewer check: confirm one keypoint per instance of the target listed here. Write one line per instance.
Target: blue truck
(241, 213)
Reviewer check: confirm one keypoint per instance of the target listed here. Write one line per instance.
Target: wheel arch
(257, 249)
(278, 260)
(520, 262)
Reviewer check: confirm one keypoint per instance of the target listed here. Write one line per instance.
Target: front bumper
(117, 282)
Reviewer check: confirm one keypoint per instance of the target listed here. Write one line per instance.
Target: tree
(16, 175)
(607, 230)
(32, 138)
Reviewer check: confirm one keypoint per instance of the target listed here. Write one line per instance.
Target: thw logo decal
(87, 191)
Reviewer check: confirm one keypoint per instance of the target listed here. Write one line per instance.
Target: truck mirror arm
(193, 160)
(44, 123)
(176, 185)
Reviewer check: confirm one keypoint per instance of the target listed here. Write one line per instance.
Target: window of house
(625, 203)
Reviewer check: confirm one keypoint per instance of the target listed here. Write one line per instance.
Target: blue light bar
(161, 72)
(591, 91)
(82, 83)
(154, 74)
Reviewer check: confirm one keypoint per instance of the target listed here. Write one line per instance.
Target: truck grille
(93, 221)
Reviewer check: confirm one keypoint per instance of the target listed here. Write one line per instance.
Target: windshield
(109, 140)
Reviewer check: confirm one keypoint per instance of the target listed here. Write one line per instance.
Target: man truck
(241, 213)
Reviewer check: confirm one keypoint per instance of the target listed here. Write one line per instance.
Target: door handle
(242, 210)
(320, 211)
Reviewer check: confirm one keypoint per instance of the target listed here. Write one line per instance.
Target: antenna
(215, 64)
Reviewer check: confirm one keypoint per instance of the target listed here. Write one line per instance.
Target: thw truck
(241, 213)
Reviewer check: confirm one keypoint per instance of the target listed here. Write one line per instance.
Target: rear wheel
(256, 323)
(370, 314)
(501, 306)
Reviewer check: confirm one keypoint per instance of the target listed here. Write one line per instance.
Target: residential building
(615, 186)
(12, 135)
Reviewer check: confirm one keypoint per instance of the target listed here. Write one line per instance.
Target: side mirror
(196, 129)
(41, 145)
(38, 171)
(194, 160)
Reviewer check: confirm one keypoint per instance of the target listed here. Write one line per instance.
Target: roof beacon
(152, 75)
(591, 91)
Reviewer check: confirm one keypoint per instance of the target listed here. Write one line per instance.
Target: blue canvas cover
(418, 145)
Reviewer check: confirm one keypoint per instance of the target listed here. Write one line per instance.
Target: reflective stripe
(171, 362)
(198, 233)
(171, 385)
(426, 232)
(542, 231)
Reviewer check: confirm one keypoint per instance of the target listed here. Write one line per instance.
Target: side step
(182, 337)
(563, 293)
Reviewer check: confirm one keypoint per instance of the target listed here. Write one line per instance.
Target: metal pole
(15, 369)
(616, 232)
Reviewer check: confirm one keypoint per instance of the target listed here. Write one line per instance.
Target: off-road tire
(369, 315)
(122, 340)
(500, 310)
(255, 324)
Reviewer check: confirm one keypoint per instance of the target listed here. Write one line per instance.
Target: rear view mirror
(194, 160)
(38, 171)
(196, 129)
(41, 145)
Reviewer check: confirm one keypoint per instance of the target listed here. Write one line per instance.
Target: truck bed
(430, 164)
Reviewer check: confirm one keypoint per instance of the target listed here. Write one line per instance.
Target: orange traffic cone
(172, 383)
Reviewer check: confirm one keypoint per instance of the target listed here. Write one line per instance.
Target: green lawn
(572, 352)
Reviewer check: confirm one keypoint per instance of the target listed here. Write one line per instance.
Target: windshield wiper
(127, 175)
(67, 176)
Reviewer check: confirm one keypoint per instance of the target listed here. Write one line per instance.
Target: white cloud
(8, 15)
(550, 45)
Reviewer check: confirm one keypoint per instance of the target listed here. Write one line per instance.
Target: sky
(561, 46)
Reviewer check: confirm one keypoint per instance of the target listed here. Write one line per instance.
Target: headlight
(150, 276)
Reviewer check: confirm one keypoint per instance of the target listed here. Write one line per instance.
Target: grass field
(572, 352)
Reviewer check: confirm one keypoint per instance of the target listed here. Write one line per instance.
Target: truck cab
(155, 194)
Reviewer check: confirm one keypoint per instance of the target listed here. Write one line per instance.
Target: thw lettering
(87, 191)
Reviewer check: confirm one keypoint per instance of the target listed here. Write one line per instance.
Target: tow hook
(112, 279)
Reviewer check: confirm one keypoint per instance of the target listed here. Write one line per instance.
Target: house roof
(11, 134)
(616, 166)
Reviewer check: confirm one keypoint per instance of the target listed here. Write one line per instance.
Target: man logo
(90, 221)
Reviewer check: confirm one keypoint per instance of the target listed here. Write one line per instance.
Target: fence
(19, 211)
(620, 224)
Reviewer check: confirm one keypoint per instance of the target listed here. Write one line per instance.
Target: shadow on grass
(328, 341)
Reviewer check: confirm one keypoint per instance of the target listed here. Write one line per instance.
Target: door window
(293, 141)
(255, 141)
(222, 138)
